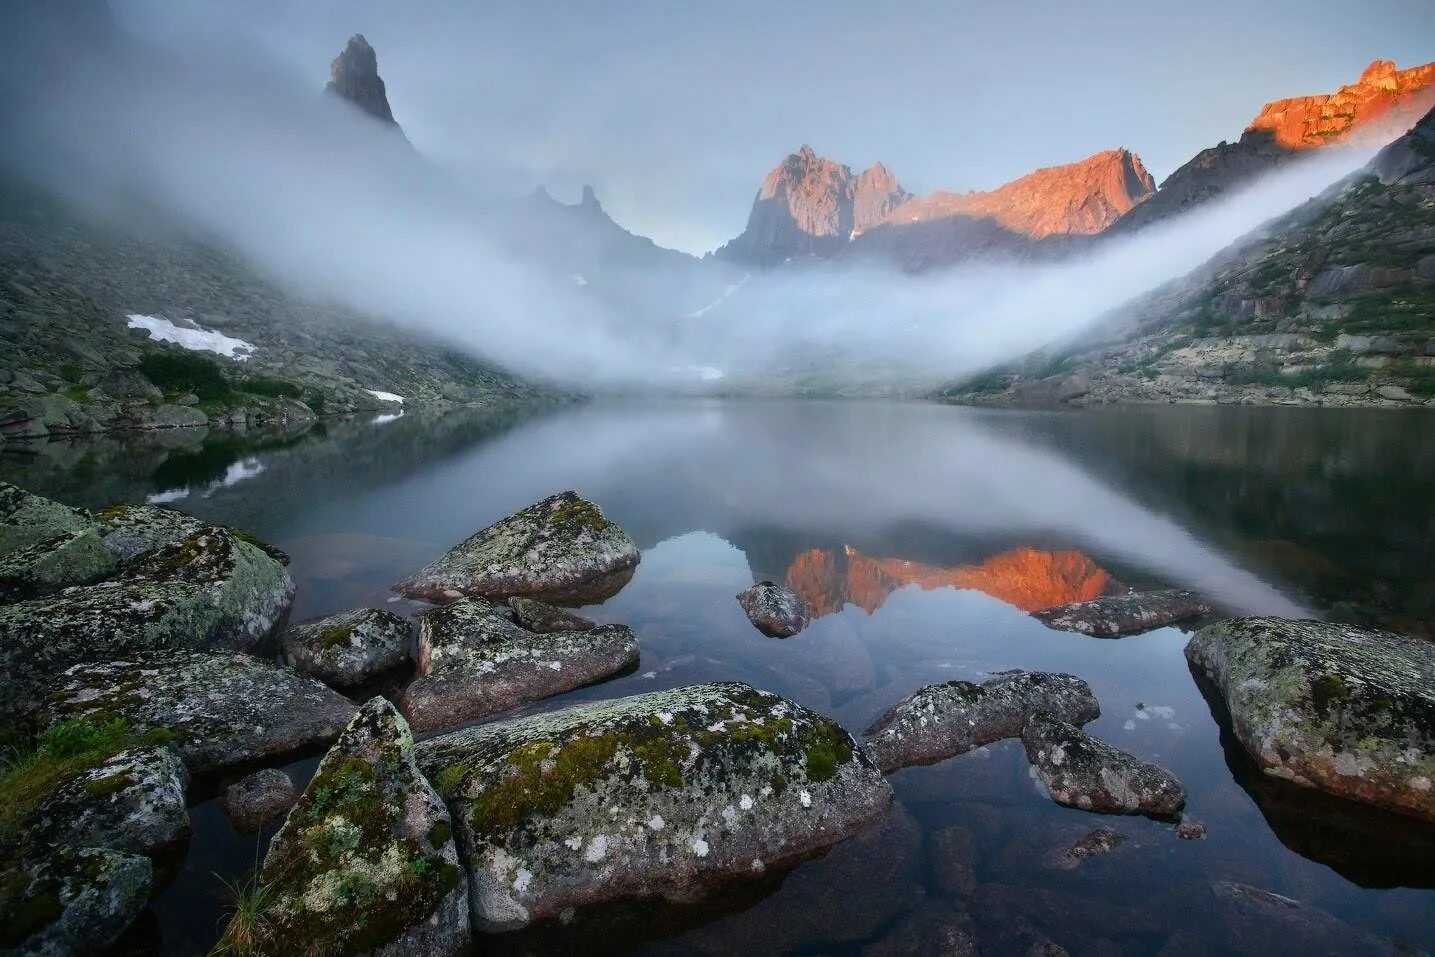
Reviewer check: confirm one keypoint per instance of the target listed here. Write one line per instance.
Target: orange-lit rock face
(1083, 197)
(1027, 578)
(1383, 104)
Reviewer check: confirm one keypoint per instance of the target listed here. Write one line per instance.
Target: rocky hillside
(354, 77)
(1330, 304)
(1378, 107)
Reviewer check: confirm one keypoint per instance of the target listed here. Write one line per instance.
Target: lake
(921, 536)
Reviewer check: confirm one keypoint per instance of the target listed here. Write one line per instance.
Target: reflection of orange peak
(1028, 578)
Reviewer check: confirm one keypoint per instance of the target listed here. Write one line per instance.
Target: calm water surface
(922, 535)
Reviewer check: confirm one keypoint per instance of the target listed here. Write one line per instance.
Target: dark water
(923, 534)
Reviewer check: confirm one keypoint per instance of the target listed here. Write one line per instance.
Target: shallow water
(923, 534)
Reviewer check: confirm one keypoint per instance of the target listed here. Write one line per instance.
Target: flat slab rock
(73, 901)
(1080, 770)
(657, 795)
(474, 661)
(365, 863)
(222, 709)
(1344, 709)
(1127, 614)
(350, 648)
(943, 720)
(773, 610)
(560, 550)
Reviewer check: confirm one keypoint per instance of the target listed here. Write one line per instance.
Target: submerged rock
(657, 795)
(72, 901)
(1344, 709)
(558, 550)
(1099, 842)
(952, 718)
(932, 930)
(544, 618)
(474, 662)
(775, 611)
(1126, 614)
(132, 801)
(1084, 772)
(350, 648)
(208, 590)
(365, 863)
(254, 801)
(221, 709)
(1255, 921)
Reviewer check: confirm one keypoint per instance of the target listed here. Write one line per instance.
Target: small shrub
(184, 372)
(276, 388)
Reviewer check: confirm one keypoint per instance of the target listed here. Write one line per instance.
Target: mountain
(1378, 107)
(811, 206)
(354, 77)
(1330, 304)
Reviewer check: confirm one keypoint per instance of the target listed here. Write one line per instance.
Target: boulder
(1084, 772)
(208, 590)
(131, 530)
(1348, 710)
(1253, 921)
(952, 718)
(26, 519)
(365, 863)
(932, 930)
(775, 611)
(1394, 393)
(47, 566)
(255, 800)
(1098, 843)
(559, 550)
(348, 649)
(72, 901)
(474, 662)
(657, 795)
(221, 709)
(544, 618)
(132, 801)
(1125, 614)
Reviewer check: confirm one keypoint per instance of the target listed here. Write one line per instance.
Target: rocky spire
(354, 76)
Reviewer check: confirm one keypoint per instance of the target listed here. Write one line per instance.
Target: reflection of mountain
(1028, 578)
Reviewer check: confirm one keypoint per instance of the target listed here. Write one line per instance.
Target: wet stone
(1347, 710)
(659, 795)
(474, 662)
(560, 550)
(254, 801)
(773, 610)
(221, 710)
(1099, 842)
(1082, 771)
(1190, 830)
(545, 618)
(348, 649)
(1127, 614)
(952, 718)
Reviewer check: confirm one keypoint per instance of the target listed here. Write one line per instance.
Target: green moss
(440, 834)
(827, 749)
(110, 784)
(333, 637)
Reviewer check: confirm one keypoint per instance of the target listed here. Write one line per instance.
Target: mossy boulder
(26, 518)
(132, 801)
(348, 649)
(773, 610)
(75, 901)
(1127, 614)
(475, 662)
(49, 565)
(220, 710)
(544, 618)
(366, 862)
(208, 590)
(655, 796)
(1080, 770)
(1348, 710)
(943, 720)
(560, 550)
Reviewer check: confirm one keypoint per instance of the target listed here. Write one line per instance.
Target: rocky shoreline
(143, 656)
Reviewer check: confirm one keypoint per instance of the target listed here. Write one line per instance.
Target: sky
(674, 111)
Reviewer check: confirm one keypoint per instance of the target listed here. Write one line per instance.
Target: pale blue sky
(674, 111)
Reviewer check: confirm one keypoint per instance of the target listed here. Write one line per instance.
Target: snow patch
(192, 336)
(385, 396)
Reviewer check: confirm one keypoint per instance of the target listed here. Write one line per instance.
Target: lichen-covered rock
(1347, 710)
(1127, 614)
(220, 709)
(952, 718)
(365, 863)
(26, 518)
(132, 801)
(350, 648)
(72, 902)
(543, 618)
(775, 611)
(131, 530)
(1082, 771)
(559, 550)
(46, 566)
(255, 800)
(657, 795)
(474, 662)
(208, 590)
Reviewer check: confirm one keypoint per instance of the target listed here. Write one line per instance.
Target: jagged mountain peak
(354, 77)
(1382, 104)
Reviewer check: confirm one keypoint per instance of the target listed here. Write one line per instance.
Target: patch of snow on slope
(192, 336)
(731, 288)
(385, 396)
